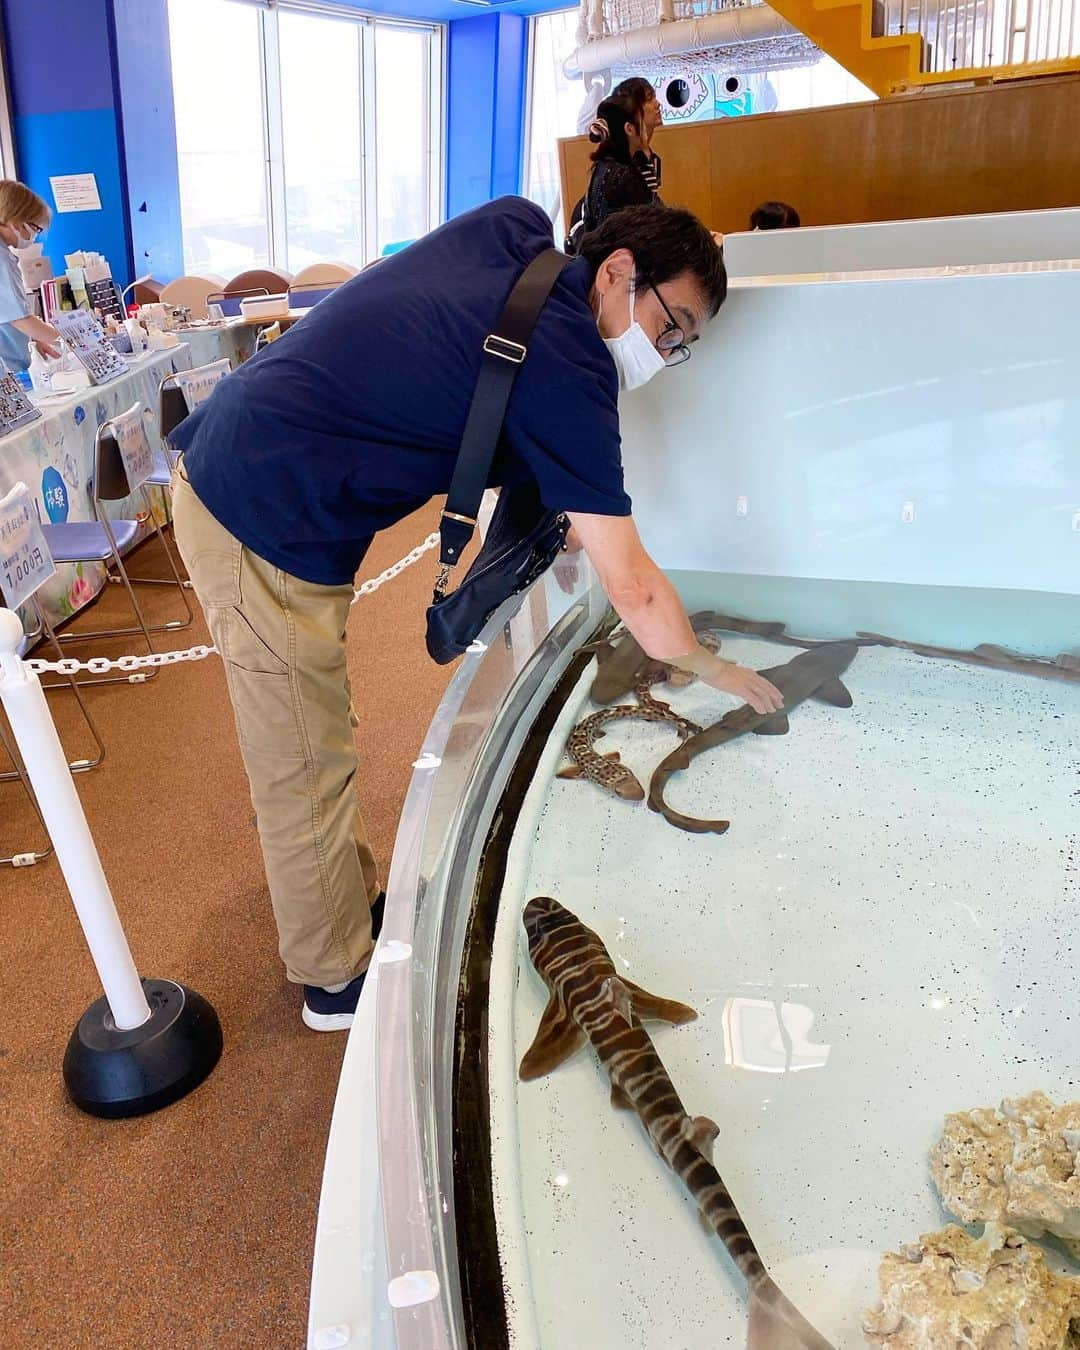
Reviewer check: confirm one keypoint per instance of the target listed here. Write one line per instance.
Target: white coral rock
(955, 1292)
(1017, 1165)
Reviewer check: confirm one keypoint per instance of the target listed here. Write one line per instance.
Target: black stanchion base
(129, 1073)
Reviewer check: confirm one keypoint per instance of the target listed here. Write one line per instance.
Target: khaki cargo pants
(282, 641)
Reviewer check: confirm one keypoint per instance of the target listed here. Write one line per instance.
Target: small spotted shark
(608, 771)
(590, 1001)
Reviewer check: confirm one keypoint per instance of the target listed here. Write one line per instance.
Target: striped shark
(814, 674)
(608, 771)
(590, 1001)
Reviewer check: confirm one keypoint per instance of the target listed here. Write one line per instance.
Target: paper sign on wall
(76, 192)
(25, 560)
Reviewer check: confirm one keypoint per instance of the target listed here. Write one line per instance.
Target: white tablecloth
(54, 457)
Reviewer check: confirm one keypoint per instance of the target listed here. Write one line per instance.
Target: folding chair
(103, 540)
(180, 393)
(308, 294)
(66, 682)
(29, 856)
(229, 301)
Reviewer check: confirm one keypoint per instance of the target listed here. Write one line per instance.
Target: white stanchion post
(147, 1042)
(46, 766)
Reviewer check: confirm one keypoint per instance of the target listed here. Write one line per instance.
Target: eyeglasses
(671, 344)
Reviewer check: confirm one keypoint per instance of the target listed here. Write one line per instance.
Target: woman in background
(23, 216)
(643, 96)
(615, 180)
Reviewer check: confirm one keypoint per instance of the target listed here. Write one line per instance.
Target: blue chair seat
(86, 540)
(160, 474)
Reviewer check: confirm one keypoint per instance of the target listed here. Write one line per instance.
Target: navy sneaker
(323, 1011)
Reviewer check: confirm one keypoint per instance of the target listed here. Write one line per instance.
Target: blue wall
(487, 58)
(61, 73)
(148, 126)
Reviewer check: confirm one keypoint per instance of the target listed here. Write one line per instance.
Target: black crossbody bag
(524, 538)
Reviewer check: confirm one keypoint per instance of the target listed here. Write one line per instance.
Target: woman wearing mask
(23, 216)
(615, 181)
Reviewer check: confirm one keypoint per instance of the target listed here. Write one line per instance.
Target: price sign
(130, 432)
(25, 560)
(197, 385)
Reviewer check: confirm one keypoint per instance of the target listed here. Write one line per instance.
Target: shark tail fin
(776, 1324)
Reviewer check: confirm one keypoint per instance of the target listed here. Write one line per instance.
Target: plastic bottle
(135, 332)
(41, 372)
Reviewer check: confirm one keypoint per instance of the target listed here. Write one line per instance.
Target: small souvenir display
(105, 298)
(16, 410)
(86, 338)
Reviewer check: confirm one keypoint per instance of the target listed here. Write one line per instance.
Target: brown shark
(608, 771)
(1065, 666)
(590, 1001)
(814, 674)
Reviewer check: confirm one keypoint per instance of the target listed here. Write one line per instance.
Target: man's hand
(748, 685)
(49, 349)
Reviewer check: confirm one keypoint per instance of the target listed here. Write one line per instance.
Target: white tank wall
(828, 407)
(1015, 236)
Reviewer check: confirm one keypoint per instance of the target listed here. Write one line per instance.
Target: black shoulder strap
(504, 351)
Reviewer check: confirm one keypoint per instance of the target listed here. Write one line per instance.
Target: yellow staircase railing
(913, 44)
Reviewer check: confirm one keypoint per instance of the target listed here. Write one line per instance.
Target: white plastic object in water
(47, 769)
(416, 1286)
(331, 1338)
(393, 950)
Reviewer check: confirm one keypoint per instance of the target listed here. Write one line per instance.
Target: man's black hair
(774, 216)
(666, 241)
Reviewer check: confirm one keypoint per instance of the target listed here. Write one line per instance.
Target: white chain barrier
(129, 665)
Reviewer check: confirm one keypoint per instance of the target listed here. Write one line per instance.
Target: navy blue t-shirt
(352, 419)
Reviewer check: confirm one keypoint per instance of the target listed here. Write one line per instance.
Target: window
(220, 140)
(553, 107)
(323, 144)
(403, 136)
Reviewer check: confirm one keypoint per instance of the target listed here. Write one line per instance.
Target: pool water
(888, 932)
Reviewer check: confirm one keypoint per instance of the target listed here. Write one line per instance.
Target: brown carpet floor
(193, 1227)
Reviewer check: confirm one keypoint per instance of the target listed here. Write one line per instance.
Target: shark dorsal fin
(701, 1132)
(620, 1098)
(556, 1039)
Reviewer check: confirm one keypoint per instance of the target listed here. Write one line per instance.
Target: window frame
(274, 167)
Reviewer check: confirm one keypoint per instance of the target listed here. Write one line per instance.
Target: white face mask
(24, 234)
(636, 358)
